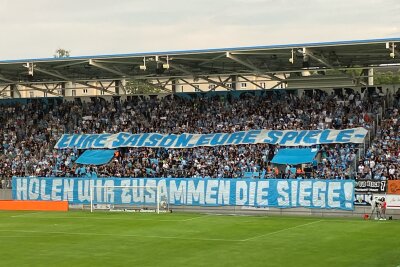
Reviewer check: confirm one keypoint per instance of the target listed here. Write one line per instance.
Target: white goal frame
(156, 189)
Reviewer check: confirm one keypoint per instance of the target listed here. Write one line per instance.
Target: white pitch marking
(282, 230)
(26, 214)
(194, 218)
(127, 235)
(111, 218)
(24, 236)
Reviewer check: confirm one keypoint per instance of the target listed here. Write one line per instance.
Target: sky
(35, 29)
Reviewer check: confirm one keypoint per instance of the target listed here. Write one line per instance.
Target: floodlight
(29, 66)
(391, 46)
(143, 67)
(166, 65)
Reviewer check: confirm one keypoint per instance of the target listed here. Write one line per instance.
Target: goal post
(128, 198)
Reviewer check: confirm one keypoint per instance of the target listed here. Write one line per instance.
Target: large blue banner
(284, 138)
(325, 194)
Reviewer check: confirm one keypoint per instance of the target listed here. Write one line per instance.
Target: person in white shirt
(372, 164)
(375, 207)
(360, 168)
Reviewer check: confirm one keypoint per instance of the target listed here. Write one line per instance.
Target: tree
(387, 77)
(60, 53)
(141, 87)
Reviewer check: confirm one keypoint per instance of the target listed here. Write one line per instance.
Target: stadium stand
(382, 159)
(31, 130)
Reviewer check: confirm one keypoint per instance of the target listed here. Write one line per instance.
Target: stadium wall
(34, 205)
(358, 212)
(5, 194)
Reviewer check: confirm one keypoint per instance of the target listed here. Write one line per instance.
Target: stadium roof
(265, 61)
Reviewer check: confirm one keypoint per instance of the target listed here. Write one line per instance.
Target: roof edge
(210, 50)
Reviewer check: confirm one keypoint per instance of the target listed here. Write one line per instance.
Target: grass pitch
(181, 239)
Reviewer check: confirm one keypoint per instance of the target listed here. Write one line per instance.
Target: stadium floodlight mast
(391, 46)
(29, 66)
(143, 67)
(291, 60)
(166, 65)
(151, 198)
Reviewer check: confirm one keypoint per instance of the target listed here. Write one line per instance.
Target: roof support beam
(211, 60)
(219, 84)
(55, 87)
(108, 86)
(101, 66)
(70, 64)
(223, 82)
(97, 88)
(172, 65)
(6, 79)
(321, 59)
(242, 62)
(4, 88)
(57, 75)
(250, 81)
(29, 86)
(192, 85)
(276, 85)
(396, 52)
(62, 77)
(251, 66)
(159, 85)
(41, 90)
(163, 86)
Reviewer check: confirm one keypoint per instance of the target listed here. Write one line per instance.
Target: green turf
(182, 239)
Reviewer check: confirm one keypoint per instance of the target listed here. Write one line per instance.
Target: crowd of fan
(382, 159)
(29, 132)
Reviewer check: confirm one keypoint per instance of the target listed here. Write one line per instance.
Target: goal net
(128, 198)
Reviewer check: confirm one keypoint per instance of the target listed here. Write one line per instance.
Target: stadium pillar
(371, 76)
(117, 85)
(14, 92)
(63, 89)
(173, 86)
(234, 82)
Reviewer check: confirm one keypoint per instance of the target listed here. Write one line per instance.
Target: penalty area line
(282, 230)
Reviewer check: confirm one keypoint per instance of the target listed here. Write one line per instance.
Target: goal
(128, 198)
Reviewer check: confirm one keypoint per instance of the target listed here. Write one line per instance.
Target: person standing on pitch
(383, 209)
(375, 207)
